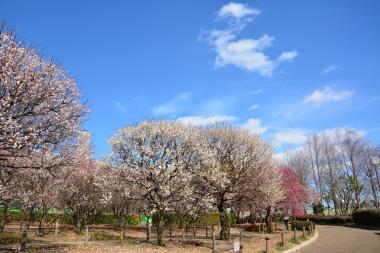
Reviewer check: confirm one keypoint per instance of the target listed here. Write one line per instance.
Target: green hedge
(367, 217)
(319, 219)
(298, 225)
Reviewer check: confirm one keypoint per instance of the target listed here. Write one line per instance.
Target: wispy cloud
(327, 95)
(204, 121)
(329, 69)
(254, 126)
(254, 107)
(292, 136)
(172, 106)
(248, 53)
(120, 107)
(255, 92)
(237, 11)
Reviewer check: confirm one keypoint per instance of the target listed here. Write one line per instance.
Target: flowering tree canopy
(296, 196)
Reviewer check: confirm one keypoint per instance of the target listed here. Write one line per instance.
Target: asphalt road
(340, 239)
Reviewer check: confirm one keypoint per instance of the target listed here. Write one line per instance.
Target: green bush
(319, 219)
(367, 217)
(298, 225)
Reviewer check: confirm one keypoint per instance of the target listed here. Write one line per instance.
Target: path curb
(300, 246)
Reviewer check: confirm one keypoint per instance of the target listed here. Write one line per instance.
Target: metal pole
(213, 242)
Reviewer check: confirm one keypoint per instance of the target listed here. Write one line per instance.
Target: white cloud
(237, 10)
(254, 126)
(343, 131)
(204, 121)
(120, 107)
(327, 95)
(281, 157)
(172, 106)
(247, 53)
(253, 107)
(293, 136)
(255, 92)
(287, 56)
(329, 69)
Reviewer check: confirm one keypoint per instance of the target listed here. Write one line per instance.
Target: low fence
(206, 236)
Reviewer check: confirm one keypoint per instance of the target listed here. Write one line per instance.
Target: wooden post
(183, 235)
(294, 234)
(24, 239)
(56, 228)
(170, 230)
(282, 239)
(267, 244)
(275, 226)
(241, 240)
(213, 242)
(303, 231)
(86, 235)
(193, 230)
(207, 230)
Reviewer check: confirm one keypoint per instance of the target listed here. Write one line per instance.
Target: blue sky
(282, 69)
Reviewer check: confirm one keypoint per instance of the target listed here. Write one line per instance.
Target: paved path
(340, 239)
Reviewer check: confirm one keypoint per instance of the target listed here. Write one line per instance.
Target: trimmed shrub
(328, 219)
(298, 225)
(367, 217)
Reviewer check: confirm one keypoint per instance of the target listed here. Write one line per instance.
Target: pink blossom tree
(296, 195)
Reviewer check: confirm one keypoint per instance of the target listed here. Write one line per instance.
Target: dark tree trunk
(224, 225)
(4, 218)
(268, 219)
(160, 223)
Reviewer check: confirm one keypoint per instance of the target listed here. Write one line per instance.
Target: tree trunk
(160, 223)
(4, 218)
(224, 225)
(268, 219)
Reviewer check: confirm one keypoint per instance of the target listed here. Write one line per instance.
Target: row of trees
(337, 165)
(156, 167)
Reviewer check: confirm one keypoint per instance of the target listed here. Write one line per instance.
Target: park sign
(236, 246)
(145, 219)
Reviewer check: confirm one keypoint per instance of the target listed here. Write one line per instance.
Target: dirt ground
(106, 239)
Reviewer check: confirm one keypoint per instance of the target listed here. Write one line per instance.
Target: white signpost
(236, 246)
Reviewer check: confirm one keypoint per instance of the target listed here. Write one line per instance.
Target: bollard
(241, 240)
(282, 239)
(24, 239)
(86, 235)
(56, 228)
(267, 244)
(213, 242)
